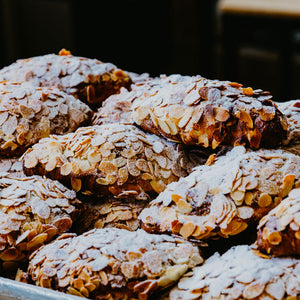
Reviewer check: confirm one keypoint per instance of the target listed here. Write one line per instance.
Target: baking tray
(11, 290)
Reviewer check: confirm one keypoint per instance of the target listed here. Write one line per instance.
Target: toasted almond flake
(142, 165)
(211, 159)
(94, 157)
(26, 112)
(158, 186)
(287, 184)
(253, 290)
(102, 181)
(51, 164)
(185, 119)
(245, 212)
(122, 175)
(9, 144)
(108, 168)
(274, 238)
(297, 235)
(267, 113)
(276, 290)
(76, 184)
(221, 114)
(132, 169)
(265, 200)
(248, 91)
(3, 117)
(9, 254)
(237, 196)
(183, 206)
(37, 241)
(172, 127)
(164, 126)
(66, 169)
(120, 162)
(158, 147)
(30, 161)
(187, 229)
(128, 153)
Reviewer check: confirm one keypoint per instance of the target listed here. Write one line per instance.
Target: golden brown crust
(209, 113)
(279, 231)
(89, 80)
(112, 159)
(33, 210)
(223, 197)
(106, 262)
(29, 113)
(241, 273)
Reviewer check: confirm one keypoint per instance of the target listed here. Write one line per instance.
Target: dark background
(158, 37)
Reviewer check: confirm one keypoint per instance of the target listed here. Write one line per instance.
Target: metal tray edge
(10, 289)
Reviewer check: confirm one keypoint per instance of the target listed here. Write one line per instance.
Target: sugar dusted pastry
(29, 113)
(209, 113)
(279, 231)
(241, 273)
(33, 210)
(223, 197)
(89, 80)
(113, 159)
(112, 263)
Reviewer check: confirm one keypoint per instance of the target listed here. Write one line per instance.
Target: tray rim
(19, 290)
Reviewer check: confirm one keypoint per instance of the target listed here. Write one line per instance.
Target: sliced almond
(76, 184)
(275, 238)
(265, 200)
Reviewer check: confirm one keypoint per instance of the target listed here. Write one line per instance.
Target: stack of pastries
(119, 186)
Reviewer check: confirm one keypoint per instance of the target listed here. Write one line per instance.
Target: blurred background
(255, 42)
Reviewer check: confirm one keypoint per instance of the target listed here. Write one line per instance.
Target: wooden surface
(279, 8)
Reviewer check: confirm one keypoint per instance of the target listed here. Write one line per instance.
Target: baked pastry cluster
(209, 113)
(112, 263)
(33, 211)
(113, 159)
(89, 80)
(132, 201)
(225, 196)
(30, 113)
(241, 273)
(279, 231)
